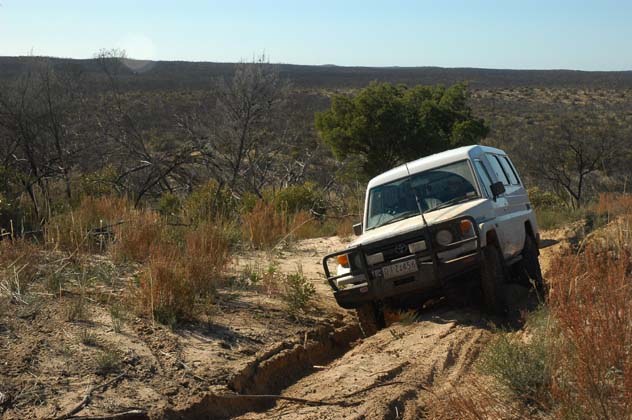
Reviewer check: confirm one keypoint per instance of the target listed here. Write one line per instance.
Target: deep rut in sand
(387, 375)
(383, 376)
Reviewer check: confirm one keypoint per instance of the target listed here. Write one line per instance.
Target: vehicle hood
(416, 222)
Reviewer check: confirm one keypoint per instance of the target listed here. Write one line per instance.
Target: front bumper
(436, 265)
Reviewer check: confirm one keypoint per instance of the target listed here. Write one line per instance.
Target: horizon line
(394, 66)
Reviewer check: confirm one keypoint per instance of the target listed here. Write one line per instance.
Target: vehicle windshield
(437, 188)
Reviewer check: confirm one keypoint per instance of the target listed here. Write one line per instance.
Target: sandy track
(434, 351)
(390, 374)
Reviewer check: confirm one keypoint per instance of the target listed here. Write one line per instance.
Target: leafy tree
(390, 124)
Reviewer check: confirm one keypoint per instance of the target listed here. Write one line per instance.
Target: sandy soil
(46, 369)
(394, 373)
(248, 346)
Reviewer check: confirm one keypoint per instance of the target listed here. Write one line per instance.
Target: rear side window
(498, 170)
(509, 168)
(509, 171)
(483, 176)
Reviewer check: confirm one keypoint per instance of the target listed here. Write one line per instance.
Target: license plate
(399, 269)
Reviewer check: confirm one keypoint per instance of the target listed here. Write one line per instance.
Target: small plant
(408, 317)
(117, 317)
(252, 275)
(76, 310)
(88, 338)
(521, 364)
(249, 277)
(107, 361)
(54, 282)
(298, 291)
(270, 279)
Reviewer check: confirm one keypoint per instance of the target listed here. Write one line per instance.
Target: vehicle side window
(508, 170)
(483, 176)
(512, 169)
(498, 170)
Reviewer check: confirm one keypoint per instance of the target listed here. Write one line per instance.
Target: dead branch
(87, 398)
(125, 415)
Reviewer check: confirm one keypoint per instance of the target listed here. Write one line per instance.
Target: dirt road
(391, 374)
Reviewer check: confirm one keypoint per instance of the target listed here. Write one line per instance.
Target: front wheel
(371, 318)
(493, 278)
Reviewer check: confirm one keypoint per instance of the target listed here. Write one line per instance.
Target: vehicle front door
(511, 208)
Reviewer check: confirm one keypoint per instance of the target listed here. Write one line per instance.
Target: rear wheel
(371, 318)
(531, 265)
(493, 280)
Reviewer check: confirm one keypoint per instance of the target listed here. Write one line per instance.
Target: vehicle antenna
(421, 211)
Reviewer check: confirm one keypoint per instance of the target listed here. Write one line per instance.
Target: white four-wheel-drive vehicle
(430, 222)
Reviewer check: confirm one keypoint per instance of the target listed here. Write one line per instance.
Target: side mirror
(357, 229)
(497, 189)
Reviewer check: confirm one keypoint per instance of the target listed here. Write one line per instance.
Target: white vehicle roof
(432, 161)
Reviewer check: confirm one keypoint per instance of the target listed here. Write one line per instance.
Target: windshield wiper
(400, 217)
(452, 202)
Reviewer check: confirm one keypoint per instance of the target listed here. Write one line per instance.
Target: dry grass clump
(264, 225)
(175, 275)
(103, 223)
(304, 225)
(592, 366)
(477, 401)
(344, 229)
(614, 204)
(206, 255)
(19, 261)
(165, 292)
(88, 227)
(135, 238)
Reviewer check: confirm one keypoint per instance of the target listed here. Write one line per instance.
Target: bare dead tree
(242, 131)
(145, 161)
(568, 152)
(40, 114)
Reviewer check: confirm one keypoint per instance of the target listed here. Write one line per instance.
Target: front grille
(395, 248)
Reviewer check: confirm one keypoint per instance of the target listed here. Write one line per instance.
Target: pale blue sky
(527, 34)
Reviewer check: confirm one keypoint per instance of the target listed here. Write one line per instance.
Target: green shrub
(299, 197)
(554, 217)
(298, 292)
(544, 199)
(169, 204)
(107, 361)
(206, 204)
(521, 363)
(99, 183)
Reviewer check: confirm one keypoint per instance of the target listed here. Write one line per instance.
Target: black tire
(531, 265)
(493, 279)
(371, 318)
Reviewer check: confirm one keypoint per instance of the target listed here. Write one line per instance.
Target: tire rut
(409, 359)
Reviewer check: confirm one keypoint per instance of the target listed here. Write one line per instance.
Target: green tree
(388, 124)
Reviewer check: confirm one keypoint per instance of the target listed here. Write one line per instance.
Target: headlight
(444, 237)
(356, 260)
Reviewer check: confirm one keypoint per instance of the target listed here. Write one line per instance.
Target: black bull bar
(432, 269)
